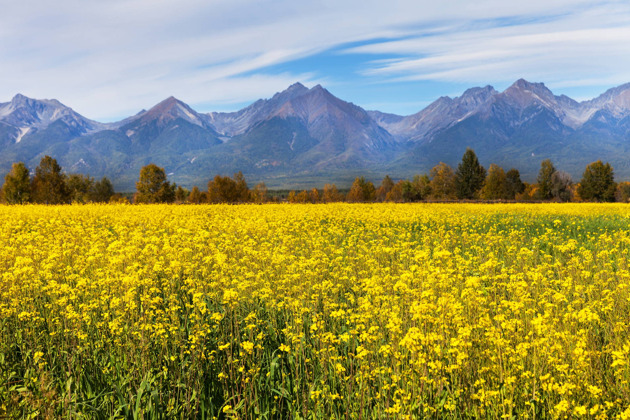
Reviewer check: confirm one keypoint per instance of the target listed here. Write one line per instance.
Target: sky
(110, 59)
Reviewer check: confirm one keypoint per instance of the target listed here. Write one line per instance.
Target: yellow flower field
(315, 311)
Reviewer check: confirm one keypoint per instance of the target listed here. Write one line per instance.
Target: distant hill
(304, 137)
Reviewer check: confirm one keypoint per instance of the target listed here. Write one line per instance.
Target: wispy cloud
(110, 58)
(586, 46)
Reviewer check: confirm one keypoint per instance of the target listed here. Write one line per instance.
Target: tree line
(154, 187)
(470, 181)
(49, 185)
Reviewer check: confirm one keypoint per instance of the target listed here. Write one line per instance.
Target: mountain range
(304, 137)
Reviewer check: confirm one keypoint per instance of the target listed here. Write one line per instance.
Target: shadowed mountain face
(340, 131)
(306, 137)
(440, 114)
(234, 123)
(518, 128)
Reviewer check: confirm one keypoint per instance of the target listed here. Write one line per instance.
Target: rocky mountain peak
(525, 93)
(292, 91)
(24, 112)
(475, 97)
(297, 86)
(169, 110)
(310, 131)
(479, 94)
(615, 100)
(166, 105)
(20, 99)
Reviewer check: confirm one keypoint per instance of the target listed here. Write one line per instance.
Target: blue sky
(109, 59)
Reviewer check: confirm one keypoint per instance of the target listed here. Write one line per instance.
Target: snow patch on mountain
(24, 112)
(23, 131)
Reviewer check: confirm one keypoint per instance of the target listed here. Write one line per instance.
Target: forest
(470, 181)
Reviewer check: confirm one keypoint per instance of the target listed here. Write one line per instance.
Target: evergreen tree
(513, 184)
(544, 179)
(17, 185)
(470, 176)
(417, 189)
(49, 184)
(409, 193)
(153, 187)
(598, 183)
(80, 188)
(103, 191)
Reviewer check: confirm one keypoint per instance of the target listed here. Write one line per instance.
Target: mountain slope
(441, 114)
(306, 137)
(170, 125)
(307, 130)
(523, 125)
(30, 115)
(30, 128)
(234, 123)
(169, 134)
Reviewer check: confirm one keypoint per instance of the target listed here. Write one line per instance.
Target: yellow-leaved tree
(153, 187)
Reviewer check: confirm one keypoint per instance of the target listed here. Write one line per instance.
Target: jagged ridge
(303, 134)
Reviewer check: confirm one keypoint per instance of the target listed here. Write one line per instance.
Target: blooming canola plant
(315, 311)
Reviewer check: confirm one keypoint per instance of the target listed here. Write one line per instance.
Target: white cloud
(584, 47)
(106, 58)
